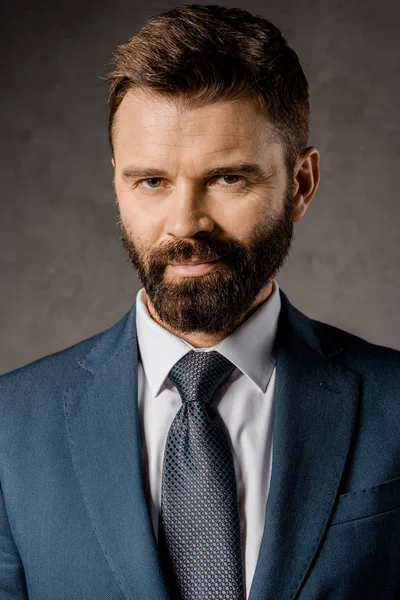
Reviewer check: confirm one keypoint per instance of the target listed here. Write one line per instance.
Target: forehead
(149, 124)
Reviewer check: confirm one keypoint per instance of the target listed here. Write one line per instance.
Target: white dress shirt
(244, 401)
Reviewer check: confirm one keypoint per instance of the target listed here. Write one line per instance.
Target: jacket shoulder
(46, 370)
(358, 353)
(53, 370)
(337, 344)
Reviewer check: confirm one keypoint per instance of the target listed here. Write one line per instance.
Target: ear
(113, 161)
(306, 180)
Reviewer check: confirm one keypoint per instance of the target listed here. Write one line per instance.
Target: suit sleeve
(12, 578)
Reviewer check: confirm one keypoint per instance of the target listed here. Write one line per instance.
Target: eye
(153, 181)
(231, 180)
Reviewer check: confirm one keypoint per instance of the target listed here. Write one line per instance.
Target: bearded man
(215, 443)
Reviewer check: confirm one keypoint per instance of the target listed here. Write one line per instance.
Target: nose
(187, 212)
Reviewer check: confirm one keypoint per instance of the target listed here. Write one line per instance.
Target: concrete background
(63, 272)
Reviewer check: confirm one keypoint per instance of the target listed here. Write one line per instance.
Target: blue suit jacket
(74, 520)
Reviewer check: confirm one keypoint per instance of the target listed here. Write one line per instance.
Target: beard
(219, 301)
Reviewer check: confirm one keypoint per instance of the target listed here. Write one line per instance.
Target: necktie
(199, 535)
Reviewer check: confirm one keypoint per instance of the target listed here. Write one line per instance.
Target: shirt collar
(249, 347)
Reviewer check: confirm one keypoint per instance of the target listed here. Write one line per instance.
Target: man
(215, 442)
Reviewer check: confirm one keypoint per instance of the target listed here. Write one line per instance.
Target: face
(201, 184)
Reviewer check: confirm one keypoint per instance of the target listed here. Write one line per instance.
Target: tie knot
(197, 375)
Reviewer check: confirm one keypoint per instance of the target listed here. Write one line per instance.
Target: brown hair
(204, 54)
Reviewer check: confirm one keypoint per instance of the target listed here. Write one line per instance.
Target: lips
(195, 262)
(193, 269)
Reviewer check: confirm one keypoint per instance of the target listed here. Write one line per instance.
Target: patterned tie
(200, 539)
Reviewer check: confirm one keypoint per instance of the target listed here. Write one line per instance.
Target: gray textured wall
(63, 272)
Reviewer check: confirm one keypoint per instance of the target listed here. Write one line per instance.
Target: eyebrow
(132, 172)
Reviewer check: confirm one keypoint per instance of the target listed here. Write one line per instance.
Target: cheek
(124, 196)
(144, 232)
(240, 220)
(129, 212)
(238, 225)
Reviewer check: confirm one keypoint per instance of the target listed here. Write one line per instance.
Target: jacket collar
(112, 339)
(315, 406)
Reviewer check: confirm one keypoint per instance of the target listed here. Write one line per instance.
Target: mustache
(204, 249)
(207, 251)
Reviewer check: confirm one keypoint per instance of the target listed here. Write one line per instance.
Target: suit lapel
(314, 413)
(103, 429)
